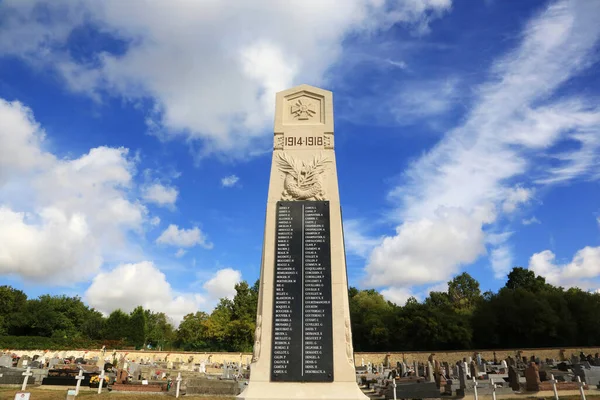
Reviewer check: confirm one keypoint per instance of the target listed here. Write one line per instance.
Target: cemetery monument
(303, 342)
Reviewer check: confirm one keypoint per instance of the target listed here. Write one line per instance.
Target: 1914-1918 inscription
(302, 324)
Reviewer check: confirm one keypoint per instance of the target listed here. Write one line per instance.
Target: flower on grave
(96, 379)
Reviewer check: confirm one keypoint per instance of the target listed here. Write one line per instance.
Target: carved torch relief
(303, 179)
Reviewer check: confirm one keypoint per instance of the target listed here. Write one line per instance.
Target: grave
(14, 376)
(66, 377)
(588, 373)
(421, 390)
(303, 340)
(6, 361)
(215, 387)
(532, 377)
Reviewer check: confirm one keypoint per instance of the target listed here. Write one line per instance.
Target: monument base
(302, 391)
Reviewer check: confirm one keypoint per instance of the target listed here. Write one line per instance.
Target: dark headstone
(513, 378)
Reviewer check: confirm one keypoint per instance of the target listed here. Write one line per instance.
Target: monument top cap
(302, 106)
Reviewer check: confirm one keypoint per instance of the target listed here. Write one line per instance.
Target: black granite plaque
(302, 326)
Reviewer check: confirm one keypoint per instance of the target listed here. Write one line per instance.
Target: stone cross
(79, 377)
(394, 388)
(475, 388)
(26, 374)
(580, 384)
(553, 381)
(178, 385)
(100, 381)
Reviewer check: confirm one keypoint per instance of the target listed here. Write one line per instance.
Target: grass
(45, 394)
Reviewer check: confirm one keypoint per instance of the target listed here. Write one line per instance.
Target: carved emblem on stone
(303, 110)
(302, 179)
(279, 140)
(327, 141)
(257, 332)
(349, 354)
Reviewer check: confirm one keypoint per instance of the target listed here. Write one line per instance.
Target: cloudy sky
(135, 141)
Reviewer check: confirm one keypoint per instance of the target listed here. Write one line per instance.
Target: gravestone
(513, 378)
(532, 378)
(303, 340)
(462, 378)
(430, 376)
(6, 361)
(474, 369)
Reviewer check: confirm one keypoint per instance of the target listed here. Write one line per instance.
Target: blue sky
(135, 142)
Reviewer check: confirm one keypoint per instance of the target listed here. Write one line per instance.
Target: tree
(523, 278)
(464, 293)
(137, 327)
(116, 326)
(160, 330)
(12, 308)
(371, 317)
(192, 332)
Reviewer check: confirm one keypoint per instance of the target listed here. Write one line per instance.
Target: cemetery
(303, 349)
(302, 342)
(415, 376)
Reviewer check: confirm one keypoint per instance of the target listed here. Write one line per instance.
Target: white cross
(553, 381)
(26, 374)
(475, 388)
(101, 381)
(394, 386)
(581, 384)
(493, 389)
(178, 384)
(79, 377)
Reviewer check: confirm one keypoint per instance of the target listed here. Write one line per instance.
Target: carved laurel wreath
(306, 173)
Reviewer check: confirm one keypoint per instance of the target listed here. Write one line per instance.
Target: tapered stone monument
(303, 342)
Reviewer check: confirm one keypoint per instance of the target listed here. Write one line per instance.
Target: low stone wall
(374, 358)
(453, 356)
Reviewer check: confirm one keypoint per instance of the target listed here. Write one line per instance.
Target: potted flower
(95, 381)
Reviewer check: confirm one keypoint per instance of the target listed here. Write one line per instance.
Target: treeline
(526, 312)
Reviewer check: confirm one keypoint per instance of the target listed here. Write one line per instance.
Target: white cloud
(20, 140)
(221, 91)
(419, 100)
(514, 197)
(580, 272)
(513, 122)
(397, 295)
(180, 253)
(222, 284)
(530, 221)
(229, 181)
(60, 219)
(356, 241)
(121, 289)
(501, 259)
(429, 249)
(159, 194)
(183, 237)
(154, 221)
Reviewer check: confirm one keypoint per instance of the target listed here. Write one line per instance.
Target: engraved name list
(302, 320)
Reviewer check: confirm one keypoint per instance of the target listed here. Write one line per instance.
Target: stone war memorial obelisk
(303, 341)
